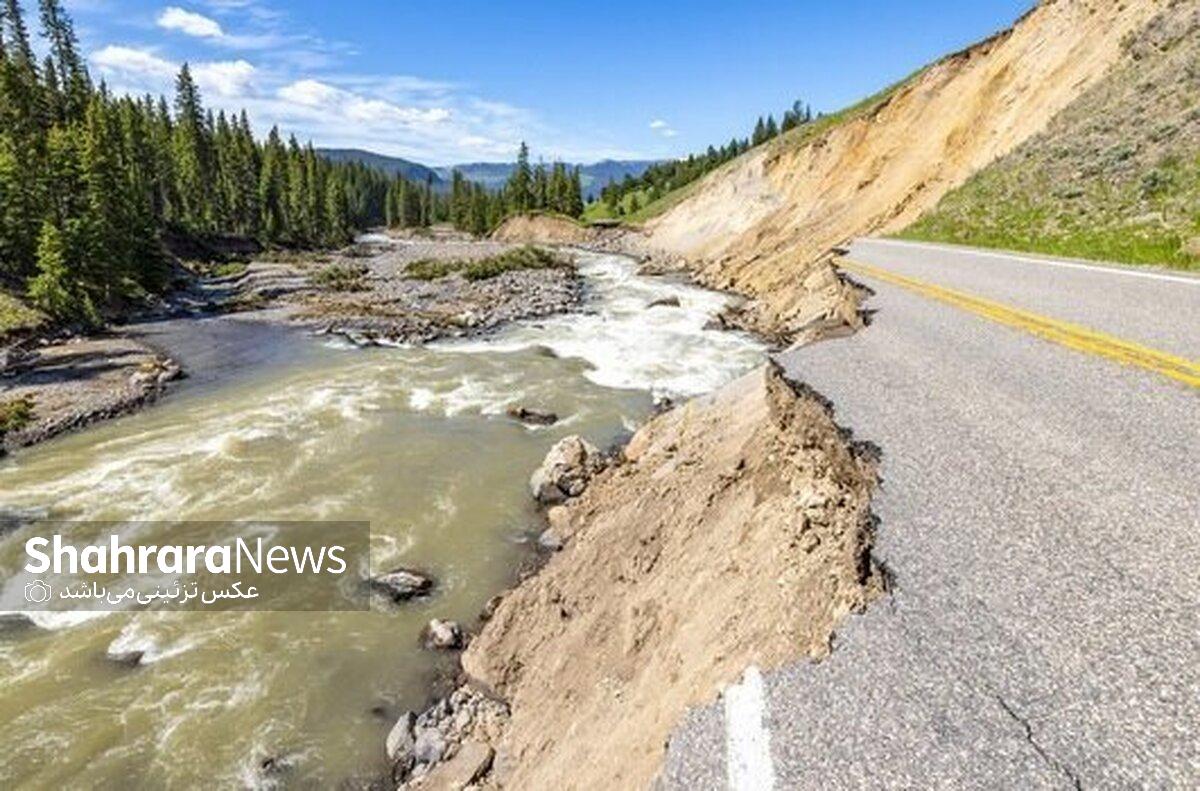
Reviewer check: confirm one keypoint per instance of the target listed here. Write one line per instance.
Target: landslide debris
(735, 530)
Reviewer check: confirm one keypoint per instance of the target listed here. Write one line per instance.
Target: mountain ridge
(593, 176)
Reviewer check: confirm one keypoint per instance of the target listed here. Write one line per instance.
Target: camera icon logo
(37, 592)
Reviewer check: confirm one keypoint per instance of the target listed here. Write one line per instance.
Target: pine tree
(272, 187)
(23, 126)
(246, 177)
(18, 51)
(520, 183)
(337, 220)
(772, 129)
(575, 197)
(459, 200)
(106, 240)
(410, 199)
(53, 288)
(192, 155)
(71, 75)
(760, 132)
(540, 188)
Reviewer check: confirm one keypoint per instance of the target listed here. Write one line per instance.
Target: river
(415, 440)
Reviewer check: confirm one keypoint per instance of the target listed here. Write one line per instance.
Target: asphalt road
(1040, 516)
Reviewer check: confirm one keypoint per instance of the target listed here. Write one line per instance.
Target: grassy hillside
(1116, 175)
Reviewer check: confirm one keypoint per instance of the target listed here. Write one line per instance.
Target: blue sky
(463, 81)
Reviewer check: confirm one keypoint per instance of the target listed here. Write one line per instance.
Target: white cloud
(227, 78)
(292, 78)
(200, 26)
(339, 103)
(310, 93)
(140, 70)
(190, 23)
(663, 128)
(132, 62)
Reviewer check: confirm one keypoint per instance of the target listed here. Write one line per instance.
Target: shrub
(15, 413)
(341, 277)
(526, 257)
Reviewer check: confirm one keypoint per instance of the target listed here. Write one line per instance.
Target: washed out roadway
(1039, 516)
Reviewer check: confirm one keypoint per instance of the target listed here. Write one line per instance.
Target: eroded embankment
(734, 530)
(760, 224)
(544, 228)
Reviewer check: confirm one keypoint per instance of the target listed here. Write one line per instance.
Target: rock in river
(444, 635)
(566, 470)
(402, 584)
(132, 658)
(532, 417)
(401, 744)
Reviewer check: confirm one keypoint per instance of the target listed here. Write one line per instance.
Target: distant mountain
(413, 171)
(593, 177)
(489, 174)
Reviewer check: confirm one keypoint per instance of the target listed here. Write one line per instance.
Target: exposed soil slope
(737, 531)
(543, 228)
(758, 223)
(1116, 175)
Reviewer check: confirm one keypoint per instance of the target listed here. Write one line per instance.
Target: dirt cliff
(542, 228)
(736, 531)
(757, 224)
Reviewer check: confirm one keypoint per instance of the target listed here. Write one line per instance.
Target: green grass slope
(1115, 176)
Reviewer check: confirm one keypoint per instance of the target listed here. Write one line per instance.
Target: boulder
(555, 536)
(489, 608)
(132, 658)
(664, 302)
(532, 417)
(566, 470)
(401, 744)
(471, 763)
(402, 584)
(662, 403)
(169, 372)
(429, 746)
(273, 767)
(443, 635)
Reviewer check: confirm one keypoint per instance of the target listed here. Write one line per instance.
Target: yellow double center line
(1064, 333)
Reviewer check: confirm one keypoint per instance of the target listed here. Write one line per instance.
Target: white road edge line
(1111, 270)
(747, 740)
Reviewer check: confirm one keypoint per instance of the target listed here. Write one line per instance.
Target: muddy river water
(415, 440)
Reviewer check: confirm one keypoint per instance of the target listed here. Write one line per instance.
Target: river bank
(364, 293)
(415, 439)
(732, 530)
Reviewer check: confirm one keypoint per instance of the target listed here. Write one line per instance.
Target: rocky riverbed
(371, 294)
(55, 386)
(432, 443)
(365, 293)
